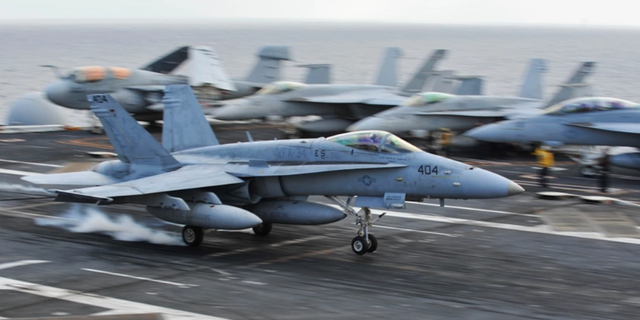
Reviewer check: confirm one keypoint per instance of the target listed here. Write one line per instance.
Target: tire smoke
(7, 187)
(83, 219)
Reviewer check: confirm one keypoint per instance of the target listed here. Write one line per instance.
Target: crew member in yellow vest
(445, 141)
(545, 161)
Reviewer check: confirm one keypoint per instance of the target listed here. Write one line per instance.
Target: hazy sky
(564, 12)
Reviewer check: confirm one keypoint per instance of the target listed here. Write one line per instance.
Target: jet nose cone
(482, 184)
(514, 189)
(239, 110)
(490, 133)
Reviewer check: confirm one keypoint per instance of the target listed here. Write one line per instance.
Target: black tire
(373, 243)
(192, 236)
(263, 229)
(359, 245)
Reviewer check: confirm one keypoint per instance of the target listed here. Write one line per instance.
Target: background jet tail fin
(442, 81)
(206, 69)
(532, 84)
(267, 69)
(169, 62)
(387, 72)
(418, 81)
(469, 86)
(185, 126)
(318, 73)
(575, 87)
(130, 140)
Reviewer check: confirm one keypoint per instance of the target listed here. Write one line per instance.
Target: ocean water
(499, 54)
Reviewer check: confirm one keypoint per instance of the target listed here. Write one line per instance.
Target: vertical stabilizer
(169, 62)
(267, 69)
(387, 74)
(442, 81)
(317, 74)
(185, 126)
(575, 87)
(418, 81)
(206, 69)
(532, 84)
(469, 86)
(130, 140)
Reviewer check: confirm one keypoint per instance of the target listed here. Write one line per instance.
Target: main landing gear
(364, 242)
(192, 236)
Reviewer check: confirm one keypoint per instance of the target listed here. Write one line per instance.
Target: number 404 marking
(427, 169)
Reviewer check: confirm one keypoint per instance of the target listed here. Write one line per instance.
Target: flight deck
(564, 252)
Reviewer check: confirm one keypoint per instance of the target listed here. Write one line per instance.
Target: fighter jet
(140, 91)
(192, 180)
(582, 121)
(339, 105)
(432, 111)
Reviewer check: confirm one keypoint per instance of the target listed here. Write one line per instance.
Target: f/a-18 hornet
(192, 180)
(582, 121)
(432, 111)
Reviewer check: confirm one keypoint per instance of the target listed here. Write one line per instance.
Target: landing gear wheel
(263, 229)
(359, 245)
(373, 243)
(192, 236)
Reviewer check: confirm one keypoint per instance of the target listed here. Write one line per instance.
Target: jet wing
(631, 128)
(185, 178)
(469, 113)
(368, 98)
(159, 89)
(241, 170)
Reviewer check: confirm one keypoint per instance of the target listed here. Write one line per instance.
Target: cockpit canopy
(375, 141)
(96, 73)
(583, 105)
(425, 98)
(280, 87)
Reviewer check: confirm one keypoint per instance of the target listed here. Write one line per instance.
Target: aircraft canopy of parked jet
(584, 105)
(96, 73)
(280, 87)
(374, 140)
(425, 98)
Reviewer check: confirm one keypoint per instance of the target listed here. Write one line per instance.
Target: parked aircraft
(582, 121)
(432, 111)
(192, 180)
(339, 105)
(139, 91)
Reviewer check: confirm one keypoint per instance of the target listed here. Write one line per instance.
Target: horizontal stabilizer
(68, 180)
(206, 69)
(185, 178)
(74, 196)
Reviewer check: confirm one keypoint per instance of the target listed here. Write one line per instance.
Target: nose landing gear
(364, 242)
